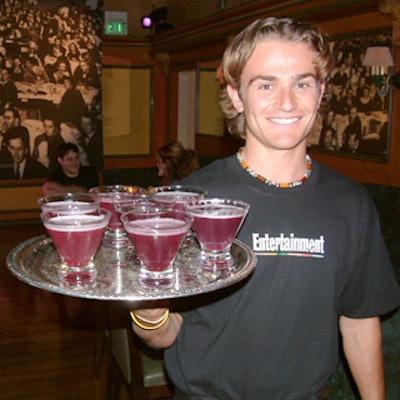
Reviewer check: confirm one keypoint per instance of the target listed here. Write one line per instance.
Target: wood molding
(214, 31)
(392, 9)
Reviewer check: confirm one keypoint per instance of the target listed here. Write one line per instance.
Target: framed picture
(355, 115)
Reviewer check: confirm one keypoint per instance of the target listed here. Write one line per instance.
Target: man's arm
(362, 344)
(51, 188)
(163, 336)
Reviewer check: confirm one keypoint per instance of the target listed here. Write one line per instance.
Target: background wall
(173, 53)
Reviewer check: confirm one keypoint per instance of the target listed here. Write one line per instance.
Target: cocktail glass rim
(218, 200)
(68, 197)
(118, 188)
(178, 187)
(164, 210)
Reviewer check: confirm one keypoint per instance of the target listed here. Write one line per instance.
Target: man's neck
(282, 166)
(69, 175)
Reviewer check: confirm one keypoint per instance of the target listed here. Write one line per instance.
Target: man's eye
(303, 85)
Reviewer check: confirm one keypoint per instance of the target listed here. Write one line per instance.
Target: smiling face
(279, 94)
(70, 164)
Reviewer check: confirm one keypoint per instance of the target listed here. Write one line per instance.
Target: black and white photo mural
(50, 84)
(355, 121)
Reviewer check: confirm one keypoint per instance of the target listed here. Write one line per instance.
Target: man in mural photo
(72, 105)
(23, 165)
(85, 74)
(92, 140)
(11, 119)
(9, 96)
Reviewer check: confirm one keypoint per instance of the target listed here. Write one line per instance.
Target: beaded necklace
(273, 183)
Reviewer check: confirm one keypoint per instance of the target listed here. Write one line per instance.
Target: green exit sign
(116, 23)
(116, 28)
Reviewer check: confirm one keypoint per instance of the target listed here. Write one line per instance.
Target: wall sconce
(156, 19)
(380, 59)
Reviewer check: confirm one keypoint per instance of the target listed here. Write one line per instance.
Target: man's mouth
(284, 121)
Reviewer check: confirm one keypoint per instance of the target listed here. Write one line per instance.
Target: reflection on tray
(37, 263)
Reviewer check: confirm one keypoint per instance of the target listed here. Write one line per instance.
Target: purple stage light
(146, 22)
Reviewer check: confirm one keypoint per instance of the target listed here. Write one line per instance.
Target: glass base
(216, 261)
(78, 276)
(156, 280)
(116, 238)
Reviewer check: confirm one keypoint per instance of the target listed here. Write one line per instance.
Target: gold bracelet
(158, 323)
(148, 321)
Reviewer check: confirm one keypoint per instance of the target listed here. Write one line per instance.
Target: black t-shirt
(87, 177)
(320, 254)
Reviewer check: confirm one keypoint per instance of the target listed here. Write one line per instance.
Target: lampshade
(378, 55)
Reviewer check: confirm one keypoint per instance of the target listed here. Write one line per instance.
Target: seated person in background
(11, 119)
(69, 176)
(46, 144)
(86, 74)
(174, 162)
(72, 105)
(63, 71)
(9, 90)
(23, 166)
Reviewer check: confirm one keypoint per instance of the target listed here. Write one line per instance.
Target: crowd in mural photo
(356, 113)
(50, 84)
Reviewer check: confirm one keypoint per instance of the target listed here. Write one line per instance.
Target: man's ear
(235, 98)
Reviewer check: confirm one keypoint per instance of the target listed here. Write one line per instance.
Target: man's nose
(285, 99)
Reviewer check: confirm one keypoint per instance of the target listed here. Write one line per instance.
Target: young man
(276, 335)
(70, 176)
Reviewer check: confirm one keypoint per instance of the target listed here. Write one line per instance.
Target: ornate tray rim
(22, 273)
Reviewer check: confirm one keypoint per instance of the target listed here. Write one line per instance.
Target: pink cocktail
(216, 223)
(76, 237)
(109, 197)
(177, 196)
(157, 235)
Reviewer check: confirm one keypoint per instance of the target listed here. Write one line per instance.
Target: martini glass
(76, 233)
(216, 222)
(178, 197)
(111, 196)
(157, 234)
(68, 200)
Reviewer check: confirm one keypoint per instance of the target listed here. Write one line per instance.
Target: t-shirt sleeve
(372, 288)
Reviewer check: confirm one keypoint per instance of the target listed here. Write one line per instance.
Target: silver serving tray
(36, 262)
